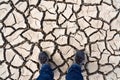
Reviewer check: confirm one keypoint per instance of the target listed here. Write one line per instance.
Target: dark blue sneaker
(43, 57)
(79, 57)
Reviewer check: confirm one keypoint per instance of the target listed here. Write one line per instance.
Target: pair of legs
(74, 72)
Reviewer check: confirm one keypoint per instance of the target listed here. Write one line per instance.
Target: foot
(43, 57)
(79, 57)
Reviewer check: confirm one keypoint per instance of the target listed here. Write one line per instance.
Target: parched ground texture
(59, 27)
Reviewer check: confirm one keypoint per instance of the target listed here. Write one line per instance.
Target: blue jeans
(46, 73)
(74, 73)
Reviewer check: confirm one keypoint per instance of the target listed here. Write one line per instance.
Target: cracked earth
(59, 27)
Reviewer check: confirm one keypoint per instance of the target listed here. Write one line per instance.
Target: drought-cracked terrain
(59, 27)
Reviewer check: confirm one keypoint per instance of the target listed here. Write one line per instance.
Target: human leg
(46, 73)
(74, 72)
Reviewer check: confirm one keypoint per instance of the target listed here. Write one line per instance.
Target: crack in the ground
(61, 28)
